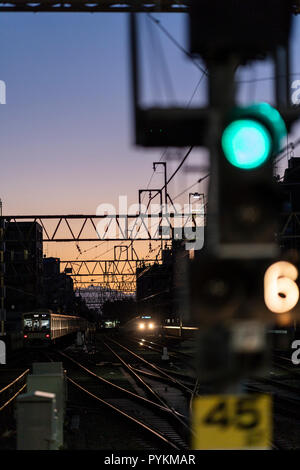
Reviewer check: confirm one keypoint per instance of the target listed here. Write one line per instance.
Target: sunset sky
(67, 141)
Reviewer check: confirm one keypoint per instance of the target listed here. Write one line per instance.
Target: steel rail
(123, 413)
(138, 378)
(153, 392)
(153, 366)
(171, 350)
(14, 381)
(128, 392)
(13, 397)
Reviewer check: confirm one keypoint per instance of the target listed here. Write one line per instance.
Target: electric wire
(174, 41)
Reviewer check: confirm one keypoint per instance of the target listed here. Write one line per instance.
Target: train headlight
(151, 326)
(141, 326)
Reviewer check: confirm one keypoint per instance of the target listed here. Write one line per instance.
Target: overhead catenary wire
(168, 76)
(174, 41)
(279, 156)
(290, 145)
(264, 79)
(284, 150)
(176, 171)
(92, 248)
(166, 149)
(205, 71)
(192, 185)
(294, 169)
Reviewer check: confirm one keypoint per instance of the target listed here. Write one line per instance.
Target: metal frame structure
(117, 273)
(120, 223)
(289, 227)
(124, 286)
(115, 267)
(118, 6)
(112, 274)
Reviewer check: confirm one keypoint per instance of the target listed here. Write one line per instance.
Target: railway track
(284, 363)
(192, 387)
(157, 347)
(12, 384)
(284, 387)
(11, 390)
(162, 372)
(149, 414)
(165, 436)
(154, 418)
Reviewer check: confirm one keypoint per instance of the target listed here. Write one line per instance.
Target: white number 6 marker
(279, 279)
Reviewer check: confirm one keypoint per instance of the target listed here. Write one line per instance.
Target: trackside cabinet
(50, 377)
(36, 421)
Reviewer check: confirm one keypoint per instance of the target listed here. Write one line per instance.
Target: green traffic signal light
(253, 135)
(246, 143)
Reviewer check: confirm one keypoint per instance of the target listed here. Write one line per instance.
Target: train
(107, 323)
(279, 338)
(43, 327)
(174, 328)
(146, 325)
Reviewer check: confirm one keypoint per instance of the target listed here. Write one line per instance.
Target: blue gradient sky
(66, 132)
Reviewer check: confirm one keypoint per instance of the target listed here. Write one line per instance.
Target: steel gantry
(289, 227)
(110, 227)
(117, 273)
(119, 6)
(114, 274)
(126, 287)
(103, 268)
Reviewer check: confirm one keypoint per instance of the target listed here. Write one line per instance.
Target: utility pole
(164, 164)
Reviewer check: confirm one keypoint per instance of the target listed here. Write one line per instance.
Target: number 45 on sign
(232, 422)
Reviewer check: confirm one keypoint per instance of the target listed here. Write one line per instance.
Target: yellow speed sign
(232, 422)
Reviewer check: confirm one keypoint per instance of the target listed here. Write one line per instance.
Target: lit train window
(27, 323)
(45, 324)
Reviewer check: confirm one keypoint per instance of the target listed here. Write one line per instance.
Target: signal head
(252, 135)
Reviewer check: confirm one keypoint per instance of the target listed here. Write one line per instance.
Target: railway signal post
(235, 280)
(238, 275)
